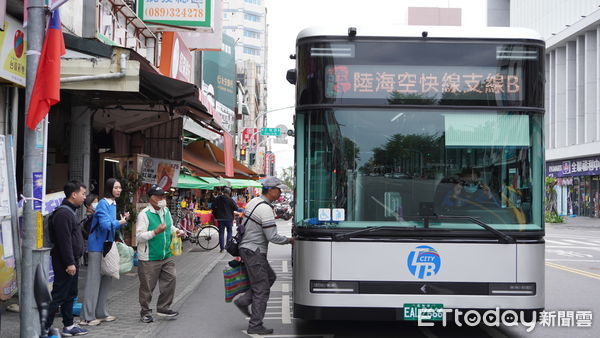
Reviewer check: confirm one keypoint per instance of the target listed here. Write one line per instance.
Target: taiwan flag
(46, 90)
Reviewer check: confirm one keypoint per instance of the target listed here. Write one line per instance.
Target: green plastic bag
(125, 256)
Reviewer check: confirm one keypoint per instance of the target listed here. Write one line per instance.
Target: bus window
(390, 167)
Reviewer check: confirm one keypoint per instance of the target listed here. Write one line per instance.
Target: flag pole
(32, 163)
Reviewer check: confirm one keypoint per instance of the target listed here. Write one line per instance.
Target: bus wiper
(347, 235)
(504, 237)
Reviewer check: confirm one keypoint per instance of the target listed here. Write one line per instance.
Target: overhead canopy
(141, 99)
(191, 182)
(240, 184)
(209, 183)
(215, 182)
(206, 159)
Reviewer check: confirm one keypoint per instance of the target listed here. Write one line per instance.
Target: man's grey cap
(273, 182)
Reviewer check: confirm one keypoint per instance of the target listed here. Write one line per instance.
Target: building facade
(246, 22)
(572, 69)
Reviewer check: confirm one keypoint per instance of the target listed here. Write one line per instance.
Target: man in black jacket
(65, 233)
(223, 209)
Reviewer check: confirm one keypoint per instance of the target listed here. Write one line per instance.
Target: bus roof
(432, 32)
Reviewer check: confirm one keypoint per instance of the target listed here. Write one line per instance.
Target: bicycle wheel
(208, 237)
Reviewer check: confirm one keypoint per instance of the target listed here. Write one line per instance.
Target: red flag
(46, 89)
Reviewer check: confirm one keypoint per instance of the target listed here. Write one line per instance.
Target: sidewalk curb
(150, 330)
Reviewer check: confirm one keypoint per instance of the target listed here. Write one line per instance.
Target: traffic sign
(270, 131)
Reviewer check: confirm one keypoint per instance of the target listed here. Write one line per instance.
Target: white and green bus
(419, 171)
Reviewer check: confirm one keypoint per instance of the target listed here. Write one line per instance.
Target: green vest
(160, 245)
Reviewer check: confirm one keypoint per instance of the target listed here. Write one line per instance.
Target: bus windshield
(389, 167)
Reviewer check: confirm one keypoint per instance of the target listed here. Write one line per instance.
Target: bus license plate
(428, 311)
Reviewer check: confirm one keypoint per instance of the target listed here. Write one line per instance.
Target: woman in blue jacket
(104, 226)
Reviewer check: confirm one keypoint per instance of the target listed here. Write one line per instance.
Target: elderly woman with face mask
(154, 229)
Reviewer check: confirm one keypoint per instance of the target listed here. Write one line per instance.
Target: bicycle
(205, 236)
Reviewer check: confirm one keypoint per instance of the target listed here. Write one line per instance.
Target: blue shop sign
(586, 166)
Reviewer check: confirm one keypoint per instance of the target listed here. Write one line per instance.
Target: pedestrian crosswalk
(554, 241)
(280, 304)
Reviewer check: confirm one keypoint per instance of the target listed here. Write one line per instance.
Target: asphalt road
(572, 284)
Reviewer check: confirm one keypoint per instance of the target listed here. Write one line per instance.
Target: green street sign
(270, 131)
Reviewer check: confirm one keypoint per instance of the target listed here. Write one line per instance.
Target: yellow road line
(573, 270)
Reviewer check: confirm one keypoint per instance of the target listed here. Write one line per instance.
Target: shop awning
(141, 99)
(192, 182)
(215, 182)
(206, 159)
(240, 184)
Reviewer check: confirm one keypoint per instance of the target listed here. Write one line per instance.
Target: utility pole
(32, 165)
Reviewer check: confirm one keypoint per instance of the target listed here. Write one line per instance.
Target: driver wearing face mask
(469, 191)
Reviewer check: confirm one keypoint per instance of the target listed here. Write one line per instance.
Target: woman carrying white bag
(101, 242)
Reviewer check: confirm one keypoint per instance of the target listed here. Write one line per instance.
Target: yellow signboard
(12, 53)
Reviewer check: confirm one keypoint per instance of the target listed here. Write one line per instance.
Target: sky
(286, 18)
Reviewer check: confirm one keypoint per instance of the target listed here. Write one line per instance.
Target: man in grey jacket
(260, 230)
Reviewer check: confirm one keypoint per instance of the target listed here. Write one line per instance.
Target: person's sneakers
(243, 308)
(73, 331)
(147, 319)
(90, 322)
(261, 330)
(167, 313)
(108, 319)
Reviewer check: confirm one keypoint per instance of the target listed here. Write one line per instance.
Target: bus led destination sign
(426, 82)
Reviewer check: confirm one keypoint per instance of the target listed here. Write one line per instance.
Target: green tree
(288, 177)
(351, 152)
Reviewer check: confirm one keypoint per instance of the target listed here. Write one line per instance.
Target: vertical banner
(4, 181)
(8, 277)
(228, 153)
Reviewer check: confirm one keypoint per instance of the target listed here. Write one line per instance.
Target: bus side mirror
(291, 76)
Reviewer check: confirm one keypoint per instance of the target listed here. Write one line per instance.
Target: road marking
(556, 242)
(573, 270)
(567, 253)
(285, 288)
(580, 242)
(284, 266)
(595, 248)
(573, 260)
(272, 313)
(285, 308)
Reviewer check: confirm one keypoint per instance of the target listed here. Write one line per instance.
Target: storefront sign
(12, 54)
(576, 167)
(175, 57)
(219, 80)
(176, 15)
(269, 164)
(250, 136)
(159, 171)
(208, 40)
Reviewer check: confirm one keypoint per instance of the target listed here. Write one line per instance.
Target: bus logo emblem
(424, 262)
